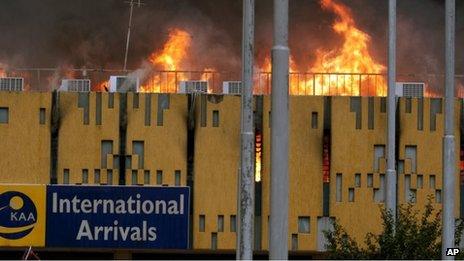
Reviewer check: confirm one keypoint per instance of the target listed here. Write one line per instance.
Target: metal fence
(308, 83)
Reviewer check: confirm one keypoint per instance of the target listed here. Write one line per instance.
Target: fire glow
(348, 70)
(258, 156)
(169, 60)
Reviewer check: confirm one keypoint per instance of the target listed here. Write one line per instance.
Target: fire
(3, 70)
(349, 70)
(169, 59)
(102, 86)
(352, 58)
(258, 156)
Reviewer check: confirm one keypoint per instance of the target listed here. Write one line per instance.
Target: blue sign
(117, 217)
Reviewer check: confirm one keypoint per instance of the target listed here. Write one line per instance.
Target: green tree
(415, 237)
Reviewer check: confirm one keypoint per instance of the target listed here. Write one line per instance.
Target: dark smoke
(78, 33)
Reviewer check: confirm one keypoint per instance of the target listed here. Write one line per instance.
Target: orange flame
(169, 59)
(258, 156)
(3, 70)
(102, 86)
(353, 57)
(350, 70)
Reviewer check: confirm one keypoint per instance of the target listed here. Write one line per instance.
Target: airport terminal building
(77, 140)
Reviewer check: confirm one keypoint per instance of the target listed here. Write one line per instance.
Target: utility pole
(448, 140)
(246, 194)
(278, 227)
(391, 164)
(131, 3)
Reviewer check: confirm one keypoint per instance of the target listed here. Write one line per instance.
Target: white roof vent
(410, 89)
(12, 84)
(232, 87)
(75, 85)
(124, 84)
(193, 87)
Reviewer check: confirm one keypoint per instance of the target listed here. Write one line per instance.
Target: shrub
(410, 236)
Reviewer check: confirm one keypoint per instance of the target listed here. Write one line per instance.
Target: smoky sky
(91, 33)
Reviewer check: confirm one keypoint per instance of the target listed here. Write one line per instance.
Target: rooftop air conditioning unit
(12, 84)
(75, 85)
(193, 87)
(232, 87)
(410, 89)
(124, 84)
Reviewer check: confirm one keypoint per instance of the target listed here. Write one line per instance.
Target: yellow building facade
(336, 156)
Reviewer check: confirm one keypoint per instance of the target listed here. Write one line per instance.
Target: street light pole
(278, 227)
(391, 172)
(246, 193)
(448, 140)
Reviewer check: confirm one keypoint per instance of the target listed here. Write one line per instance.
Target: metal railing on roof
(306, 83)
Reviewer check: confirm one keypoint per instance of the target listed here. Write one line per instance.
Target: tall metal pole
(391, 172)
(128, 33)
(246, 217)
(278, 238)
(448, 140)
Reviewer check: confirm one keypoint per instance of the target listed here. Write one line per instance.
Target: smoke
(56, 33)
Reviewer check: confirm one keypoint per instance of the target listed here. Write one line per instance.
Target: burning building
(169, 123)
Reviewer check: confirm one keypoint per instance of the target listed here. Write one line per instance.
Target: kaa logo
(18, 215)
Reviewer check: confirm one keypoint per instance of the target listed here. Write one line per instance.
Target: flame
(258, 156)
(3, 68)
(352, 57)
(169, 59)
(349, 70)
(102, 86)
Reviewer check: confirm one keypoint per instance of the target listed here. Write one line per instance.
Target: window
(159, 177)
(134, 177)
(66, 176)
(432, 181)
(110, 100)
(338, 186)
(220, 224)
(357, 180)
(85, 176)
(438, 196)
(109, 177)
(304, 225)
(201, 225)
(98, 108)
(314, 120)
(4, 115)
(146, 177)
(215, 118)
(97, 176)
(213, 241)
(379, 152)
(294, 241)
(128, 162)
(420, 181)
(135, 103)
(137, 148)
(370, 180)
(106, 148)
(177, 177)
(233, 223)
(42, 116)
(351, 194)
